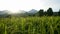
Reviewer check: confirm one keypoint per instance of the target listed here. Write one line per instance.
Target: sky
(15, 5)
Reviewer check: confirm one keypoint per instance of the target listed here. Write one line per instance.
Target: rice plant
(30, 25)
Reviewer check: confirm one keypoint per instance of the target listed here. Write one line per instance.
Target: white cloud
(15, 5)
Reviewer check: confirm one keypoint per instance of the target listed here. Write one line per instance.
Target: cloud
(14, 5)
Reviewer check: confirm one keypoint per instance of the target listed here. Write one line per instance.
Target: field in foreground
(30, 25)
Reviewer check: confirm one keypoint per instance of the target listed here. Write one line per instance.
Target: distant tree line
(49, 12)
(41, 12)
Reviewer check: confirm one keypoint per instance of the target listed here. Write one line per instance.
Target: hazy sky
(15, 5)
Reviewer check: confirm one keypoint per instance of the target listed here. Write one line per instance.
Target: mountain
(21, 11)
(18, 13)
(26, 13)
(33, 11)
(4, 13)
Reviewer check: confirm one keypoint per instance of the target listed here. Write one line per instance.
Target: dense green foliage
(50, 12)
(30, 25)
(41, 12)
(59, 13)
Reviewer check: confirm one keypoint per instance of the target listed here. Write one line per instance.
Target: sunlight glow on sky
(15, 5)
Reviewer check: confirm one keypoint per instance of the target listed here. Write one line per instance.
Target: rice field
(30, 25)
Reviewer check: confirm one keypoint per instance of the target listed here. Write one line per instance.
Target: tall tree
(45, 13)
(41, 12)
(50, 12)
(59, 12)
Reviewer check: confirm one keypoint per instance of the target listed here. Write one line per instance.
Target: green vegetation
(50, 12)
(30, 25)
(41, 12)
(59, 13)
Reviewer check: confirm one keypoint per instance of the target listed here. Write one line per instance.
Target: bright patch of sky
(15, 5)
